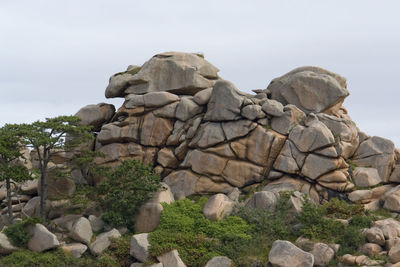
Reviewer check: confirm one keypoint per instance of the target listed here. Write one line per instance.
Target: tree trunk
(43, 193)
(9, 203)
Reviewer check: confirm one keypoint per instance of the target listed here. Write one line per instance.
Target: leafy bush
(125, 189)
(184, 227)
(18, 233)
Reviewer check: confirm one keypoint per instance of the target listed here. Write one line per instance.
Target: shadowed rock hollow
(205, 136)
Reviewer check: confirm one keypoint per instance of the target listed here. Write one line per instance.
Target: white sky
(56, 56)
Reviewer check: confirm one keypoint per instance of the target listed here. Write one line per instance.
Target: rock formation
(205, 136)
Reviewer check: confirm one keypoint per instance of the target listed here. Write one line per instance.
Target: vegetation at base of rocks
(383, 213)
(247, 236)
(267, 226)
(335, 208)
(320, 223)
(56, 258)
(125, 189)
(184, 227)
(18, 233)
(84, 160)
(119, 250)
(27, 258)
(84, 194)
(117, 255)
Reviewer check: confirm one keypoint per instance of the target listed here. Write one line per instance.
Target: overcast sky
(57, 56)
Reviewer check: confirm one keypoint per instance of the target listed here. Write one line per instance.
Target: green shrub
(267, 226)
(27, 258)
(382, 213)
(184, 227)
(350, 239)
(125, 189)
(119, 250)
(342, 210)
(318, 223)
(18, 233)
(362, 221)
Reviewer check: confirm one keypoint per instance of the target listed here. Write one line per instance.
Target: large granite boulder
(285, 254)
(378, 153)
(174, 72)
(96, 115)
(42, 239)
(311, 89)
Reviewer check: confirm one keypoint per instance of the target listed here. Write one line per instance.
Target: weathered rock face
(378, 153)
(285, 254)
(96, 115)
(174, 72)
(311, 89)
(42, 239)
(204, 136)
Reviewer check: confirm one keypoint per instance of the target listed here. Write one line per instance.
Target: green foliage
(10, 151)
(199, 54)
(18, 233)
(84, 160)
(352, 165)
(132, 71)
(125, 189)
(341, 209)
(58, 258)
(363, 220)
(84, 194)
(267, 226)
(10, 143)
(382, 213)
(184, 227)
(27, 258)
(318, 223)
(117, 253)
(350, 239)
(336, 137)
(49, 137)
